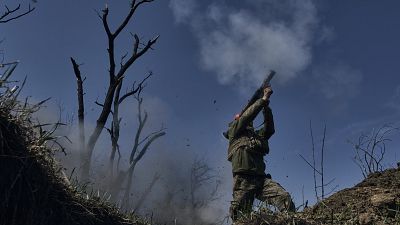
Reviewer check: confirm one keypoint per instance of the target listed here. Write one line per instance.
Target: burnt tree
(115, 75)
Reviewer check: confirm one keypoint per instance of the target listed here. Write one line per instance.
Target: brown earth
(374, 201)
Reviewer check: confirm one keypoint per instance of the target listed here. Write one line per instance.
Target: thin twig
(313, 157)
(3, 18)
(322, 165)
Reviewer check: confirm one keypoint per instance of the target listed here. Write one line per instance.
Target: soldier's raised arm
(269, 128)
(250, 114)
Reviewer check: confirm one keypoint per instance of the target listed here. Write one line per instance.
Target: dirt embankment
(31, 190)
(374, 201)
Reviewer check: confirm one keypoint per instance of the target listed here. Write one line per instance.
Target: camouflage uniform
(247, 148)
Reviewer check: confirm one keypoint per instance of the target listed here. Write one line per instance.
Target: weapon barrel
(259, 92)
(269, 78)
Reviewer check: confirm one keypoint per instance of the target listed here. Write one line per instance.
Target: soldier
(247, 148)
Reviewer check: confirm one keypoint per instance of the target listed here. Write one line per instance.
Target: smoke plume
(241, 43)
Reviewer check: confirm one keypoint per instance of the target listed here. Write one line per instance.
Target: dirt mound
(374, 201)
(31, 188)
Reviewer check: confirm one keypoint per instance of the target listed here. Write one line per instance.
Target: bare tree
(204, 187)
(370, 149)
(115, 75)
(201, 175)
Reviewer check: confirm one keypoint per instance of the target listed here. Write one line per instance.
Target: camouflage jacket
(247, 147)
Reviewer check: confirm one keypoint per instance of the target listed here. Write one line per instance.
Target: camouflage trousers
(248, 187)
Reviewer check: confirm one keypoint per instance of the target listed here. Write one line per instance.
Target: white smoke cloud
(242, 44)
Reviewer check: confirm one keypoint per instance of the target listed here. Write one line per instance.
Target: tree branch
(315, 170)
(151, 134)
(134, 6)
(135, 56)
(322, 165)
(110, 49)
(313, 157)
(135, 90)
(136, 44)
(142, 122)
(146, 146)
(105, 22)
(98, 103)
(4, 19)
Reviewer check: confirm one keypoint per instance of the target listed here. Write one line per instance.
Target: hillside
(31, 186)
(374, 201)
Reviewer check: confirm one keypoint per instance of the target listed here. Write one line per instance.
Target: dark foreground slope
(31, 189)
(374, 201)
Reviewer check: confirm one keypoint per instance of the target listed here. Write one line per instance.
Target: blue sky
(337, 64)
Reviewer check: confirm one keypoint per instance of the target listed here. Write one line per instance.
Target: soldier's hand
(267, 93)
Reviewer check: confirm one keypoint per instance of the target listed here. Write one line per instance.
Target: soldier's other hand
(267, 92)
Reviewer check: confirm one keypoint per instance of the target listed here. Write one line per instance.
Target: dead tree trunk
(81, 107)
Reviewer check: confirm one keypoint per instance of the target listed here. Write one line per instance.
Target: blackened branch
(105, 22)
(136, 55)
(134, 90)
(10, 12)
(79, 82)
(136, 45)
(134, 6)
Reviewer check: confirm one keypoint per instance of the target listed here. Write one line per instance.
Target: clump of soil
(374, 201)
(31, 188)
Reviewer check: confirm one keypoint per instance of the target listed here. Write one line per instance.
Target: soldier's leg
(243, 197)
(274, 194)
